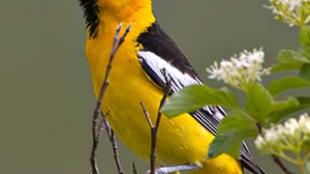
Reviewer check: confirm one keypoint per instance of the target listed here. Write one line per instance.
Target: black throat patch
(91, 12)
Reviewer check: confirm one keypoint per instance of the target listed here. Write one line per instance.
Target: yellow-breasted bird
(137, 77)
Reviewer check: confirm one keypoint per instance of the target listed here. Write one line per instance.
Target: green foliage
(195, 97)
(279, 86)
(280, 109)
(304, 101)
(305, 51)
(288, 55)
(232, 130)
(304, 36)
(237, 121)
(261, 104)
(292, 105)
(286, 66)
(305, 71)
(289, 60)
(258, 102)
(226, 143)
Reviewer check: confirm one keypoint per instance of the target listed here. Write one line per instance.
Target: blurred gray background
(46, 93)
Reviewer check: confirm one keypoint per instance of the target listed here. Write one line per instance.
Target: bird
(137, 76)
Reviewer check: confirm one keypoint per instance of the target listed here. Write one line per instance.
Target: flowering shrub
(293, 12)
(265, 106)
(290, 136)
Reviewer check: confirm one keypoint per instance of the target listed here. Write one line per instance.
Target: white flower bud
(242, 70)
(291, 135)
(292, 12)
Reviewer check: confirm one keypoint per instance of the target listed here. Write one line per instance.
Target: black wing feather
(158, 42)
(155, 40)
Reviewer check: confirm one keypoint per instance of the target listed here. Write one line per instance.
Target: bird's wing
(160, 54)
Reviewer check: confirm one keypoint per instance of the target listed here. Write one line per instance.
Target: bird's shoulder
(157, 41)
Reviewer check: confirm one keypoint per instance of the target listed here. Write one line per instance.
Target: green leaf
(232, 130)
(237, 121)
(290, 60)
(286, 66)
(276, 87)
(278, 106)
(283, 109)
(225, 143)
(304, 35)
(195, 97)
(258, 102)
(291, 56)
(305, 51)
(305, 71)
(304, 101)
(305, 146)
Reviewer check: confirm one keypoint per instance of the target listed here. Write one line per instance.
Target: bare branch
(114, 144)
(100, 127)
(96, 136)
(96, 126)
(116, 153)
(280, 164)
(154, 129)
(106, 125)
(147, 115)
(134, 168)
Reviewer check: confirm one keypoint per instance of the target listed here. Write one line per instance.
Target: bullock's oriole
(137, 77)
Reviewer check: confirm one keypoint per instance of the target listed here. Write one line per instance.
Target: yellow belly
(180, 140)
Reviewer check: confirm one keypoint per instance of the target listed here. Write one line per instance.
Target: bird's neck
(130, 11)
(139, 15)
(136, 12)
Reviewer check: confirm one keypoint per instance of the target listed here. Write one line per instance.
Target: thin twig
(154, 129)
(147, 115)
(116, 153)
(106, 125)
(97, 128)
(117, 42)
(259, 128)
(280, 164)
(114, 144)
(100, 126)
(134, 168)
(276, 159)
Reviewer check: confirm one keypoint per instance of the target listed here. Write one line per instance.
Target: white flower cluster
(242, 70)
(293, 12)
(291, 136)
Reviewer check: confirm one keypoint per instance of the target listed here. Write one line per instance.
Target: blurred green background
(46, 93)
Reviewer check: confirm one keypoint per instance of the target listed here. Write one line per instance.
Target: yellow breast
(180, 140)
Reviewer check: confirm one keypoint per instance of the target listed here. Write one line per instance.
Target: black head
(91, 15)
